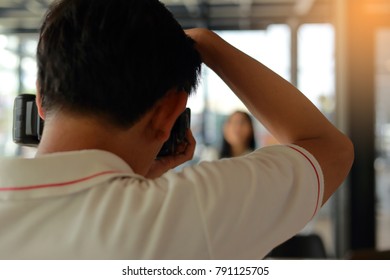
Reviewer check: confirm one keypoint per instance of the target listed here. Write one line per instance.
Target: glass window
(29, 65)
(9, 86)
(214, 101)
(316, 79)
(17, 75)
(316, 65)
(269, 46)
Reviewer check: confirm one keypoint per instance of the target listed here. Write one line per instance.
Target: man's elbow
(348, 153)
(343, 159)
(339, 160)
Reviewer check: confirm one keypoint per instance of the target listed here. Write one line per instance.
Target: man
(113, 76)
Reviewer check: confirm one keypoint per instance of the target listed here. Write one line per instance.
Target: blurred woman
(238, 135)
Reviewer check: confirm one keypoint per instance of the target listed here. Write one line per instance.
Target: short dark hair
(113, 58)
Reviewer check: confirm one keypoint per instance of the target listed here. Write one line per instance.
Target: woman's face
(237, 130)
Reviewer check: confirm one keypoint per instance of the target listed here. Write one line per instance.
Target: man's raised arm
(279, 106)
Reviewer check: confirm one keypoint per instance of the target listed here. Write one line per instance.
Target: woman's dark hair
(113, 58)
(226, 149)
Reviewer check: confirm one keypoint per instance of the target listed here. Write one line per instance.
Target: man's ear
(166, 112)
(38, 101)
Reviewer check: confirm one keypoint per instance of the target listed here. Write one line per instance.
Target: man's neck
(64, 133)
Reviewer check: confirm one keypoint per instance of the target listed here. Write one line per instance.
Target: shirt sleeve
(251, 204)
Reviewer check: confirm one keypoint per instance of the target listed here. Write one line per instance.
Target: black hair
(226, 148)
(113, 58)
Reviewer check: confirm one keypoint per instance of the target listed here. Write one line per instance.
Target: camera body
(178, 134)
(28, 126)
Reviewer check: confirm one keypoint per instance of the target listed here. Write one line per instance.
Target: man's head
(113, 59)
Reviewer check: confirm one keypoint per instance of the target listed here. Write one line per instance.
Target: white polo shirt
(91, 205)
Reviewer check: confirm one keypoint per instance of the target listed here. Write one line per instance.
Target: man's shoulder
(59, 173)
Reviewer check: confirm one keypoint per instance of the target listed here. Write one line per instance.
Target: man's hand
(203, 42)
(163, 164)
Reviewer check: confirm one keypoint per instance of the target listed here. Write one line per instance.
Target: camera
(28, 126)
(178, 134)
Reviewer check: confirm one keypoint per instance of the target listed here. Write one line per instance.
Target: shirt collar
(59, 172)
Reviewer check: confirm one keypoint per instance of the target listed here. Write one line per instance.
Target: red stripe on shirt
(317, 175)
(61, 184)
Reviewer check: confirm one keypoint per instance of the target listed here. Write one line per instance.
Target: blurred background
(337, 52)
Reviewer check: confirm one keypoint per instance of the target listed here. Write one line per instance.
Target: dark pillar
(361, 99)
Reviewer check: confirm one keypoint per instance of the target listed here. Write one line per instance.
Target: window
(17, 75)
(214, 100)
(316, 79)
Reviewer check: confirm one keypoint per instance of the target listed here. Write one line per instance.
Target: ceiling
(24, 16)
